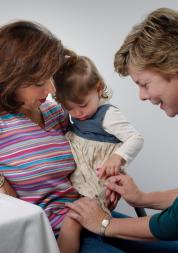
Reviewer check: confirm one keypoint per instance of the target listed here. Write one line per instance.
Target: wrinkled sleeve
(116, 124)
(164, 225)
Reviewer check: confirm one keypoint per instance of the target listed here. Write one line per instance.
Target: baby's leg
(69, 237)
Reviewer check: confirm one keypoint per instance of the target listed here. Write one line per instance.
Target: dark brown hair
(29, 54)
(77, 77)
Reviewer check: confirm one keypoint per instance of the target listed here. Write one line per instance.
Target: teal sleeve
(164, 225)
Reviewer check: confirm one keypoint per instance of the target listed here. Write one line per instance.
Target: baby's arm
(116, 124)
(111, 167)
(69, 237)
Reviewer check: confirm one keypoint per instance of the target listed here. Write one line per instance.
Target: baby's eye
(82, 106)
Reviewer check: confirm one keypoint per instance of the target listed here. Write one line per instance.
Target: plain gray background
(97, 28)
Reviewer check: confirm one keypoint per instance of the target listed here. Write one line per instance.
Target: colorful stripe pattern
(37, 161)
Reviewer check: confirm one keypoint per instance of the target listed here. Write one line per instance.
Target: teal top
(164, 225)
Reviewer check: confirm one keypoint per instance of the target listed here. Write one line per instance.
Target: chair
(140, 211)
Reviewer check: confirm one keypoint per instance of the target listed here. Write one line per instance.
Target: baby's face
(87, 109)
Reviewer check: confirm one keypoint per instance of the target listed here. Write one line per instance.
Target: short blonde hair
(152, 44)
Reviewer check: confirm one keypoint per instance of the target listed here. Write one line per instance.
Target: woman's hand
(88, 213)
(125, 186)
(111, 199)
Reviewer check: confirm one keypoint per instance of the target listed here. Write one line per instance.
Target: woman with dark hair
(35, 158)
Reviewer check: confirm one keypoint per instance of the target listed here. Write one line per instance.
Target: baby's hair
(76, 78)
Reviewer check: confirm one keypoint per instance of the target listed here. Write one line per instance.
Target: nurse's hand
(125, 186)
(88, 213)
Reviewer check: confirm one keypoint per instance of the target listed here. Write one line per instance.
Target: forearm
(126, 187)
(130, 147)
(130, 228)
(116, 124)
(157, 200)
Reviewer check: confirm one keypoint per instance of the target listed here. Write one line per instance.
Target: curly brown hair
(152, 44)
(29, 54)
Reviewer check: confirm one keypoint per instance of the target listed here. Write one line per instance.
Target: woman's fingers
(114, 187)
(78, 208)
(88, 213)
(80, 205)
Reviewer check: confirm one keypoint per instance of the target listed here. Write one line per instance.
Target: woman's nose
(143, 94)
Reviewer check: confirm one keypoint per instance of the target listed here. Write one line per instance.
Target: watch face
(105, 223)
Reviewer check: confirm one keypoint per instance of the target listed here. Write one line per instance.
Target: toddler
(103, 142)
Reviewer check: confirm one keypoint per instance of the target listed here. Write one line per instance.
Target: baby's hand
(111, 167)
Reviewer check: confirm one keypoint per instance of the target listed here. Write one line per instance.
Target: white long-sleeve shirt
(116, 124)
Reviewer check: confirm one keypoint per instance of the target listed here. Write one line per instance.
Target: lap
(94, 243)
(142, 246)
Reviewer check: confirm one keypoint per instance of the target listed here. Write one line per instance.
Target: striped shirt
(37, 162)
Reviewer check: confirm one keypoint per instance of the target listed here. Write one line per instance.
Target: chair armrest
(140, 211)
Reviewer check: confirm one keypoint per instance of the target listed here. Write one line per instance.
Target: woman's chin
(171, 114)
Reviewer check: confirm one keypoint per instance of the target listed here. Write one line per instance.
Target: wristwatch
(2, 180)
(105, 222)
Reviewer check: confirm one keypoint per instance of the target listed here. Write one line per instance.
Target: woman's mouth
(42, 100)
(161, 105)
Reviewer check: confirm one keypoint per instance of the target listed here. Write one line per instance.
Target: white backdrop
(97, 28)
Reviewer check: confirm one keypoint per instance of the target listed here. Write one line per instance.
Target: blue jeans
(91, 243)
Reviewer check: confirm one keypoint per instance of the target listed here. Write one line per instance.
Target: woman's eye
(39, 84)
(144, 85)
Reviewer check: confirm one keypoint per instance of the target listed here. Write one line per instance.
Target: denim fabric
(92, 128)
(92, 243)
